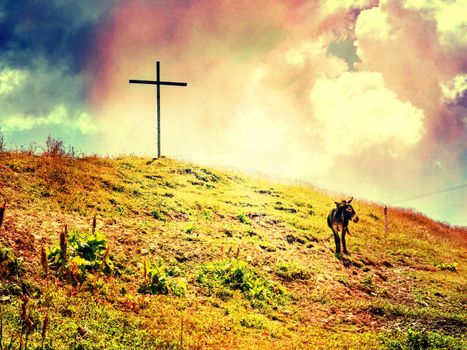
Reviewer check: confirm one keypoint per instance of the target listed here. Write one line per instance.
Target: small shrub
(54, 147)
(10, 265)
(421, 340)
(220, 278)
(292, 271)
(253, 321)
(163, 280)
(79, 253)
(446, 266)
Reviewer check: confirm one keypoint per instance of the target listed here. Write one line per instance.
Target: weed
(292, 271)
(10, 265)
(54, 147)
(447, 266)
(222, 277)
(163, 279)
(253, 320)
(79, 253)
(421, 340)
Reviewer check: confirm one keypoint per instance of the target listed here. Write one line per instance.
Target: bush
(232, 274)
(54, 147)
(163, 280)
(81, 253)
(446, 266)
(292, 271)
(253, 321)
(422, 340)
(10, 265)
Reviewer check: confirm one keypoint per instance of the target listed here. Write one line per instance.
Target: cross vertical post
(158, 84)
(158, 79)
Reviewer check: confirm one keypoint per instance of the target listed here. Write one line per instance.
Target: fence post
(386, 220)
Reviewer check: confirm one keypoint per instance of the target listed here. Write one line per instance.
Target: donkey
(338, 220)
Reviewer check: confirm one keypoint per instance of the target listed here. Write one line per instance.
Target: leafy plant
(292, 271)
(79, 253)
(446, 266)
(232, 274)
(10, 265)
(163, 279)
(253, 320)
(421, 340)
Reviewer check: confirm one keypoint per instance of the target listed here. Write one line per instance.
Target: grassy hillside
(185, 257)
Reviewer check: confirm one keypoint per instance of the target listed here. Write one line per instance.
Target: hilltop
(183, 256)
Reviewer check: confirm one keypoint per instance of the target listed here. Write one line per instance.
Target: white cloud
(372, 22)
(298, 56)
(455, 88)
(450, 17)
(59, 116)
(10, 79)
(356, 111)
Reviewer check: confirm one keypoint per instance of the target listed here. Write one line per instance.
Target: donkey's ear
(350, 200)
(337, 203)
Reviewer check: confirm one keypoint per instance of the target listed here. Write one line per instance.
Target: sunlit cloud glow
(356, 111)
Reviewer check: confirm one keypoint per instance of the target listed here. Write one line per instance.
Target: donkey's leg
(337, 241)
(344, 230)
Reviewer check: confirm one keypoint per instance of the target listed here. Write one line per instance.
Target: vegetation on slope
(185, 257)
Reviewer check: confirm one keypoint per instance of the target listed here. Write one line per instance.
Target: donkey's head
(349, 212)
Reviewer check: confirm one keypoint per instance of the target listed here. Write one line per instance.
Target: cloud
(450, 18)
(455, 88)
(11, 79)
(58, 117)
(356, 111)
(373, 22)
(44, 51)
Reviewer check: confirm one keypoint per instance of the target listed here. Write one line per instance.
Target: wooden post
(158, 79)
(386, 220)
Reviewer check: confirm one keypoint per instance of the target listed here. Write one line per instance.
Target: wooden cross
(158, 84)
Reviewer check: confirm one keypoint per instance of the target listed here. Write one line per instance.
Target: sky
(364, 98)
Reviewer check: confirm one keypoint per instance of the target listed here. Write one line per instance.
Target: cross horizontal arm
(154, 82)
